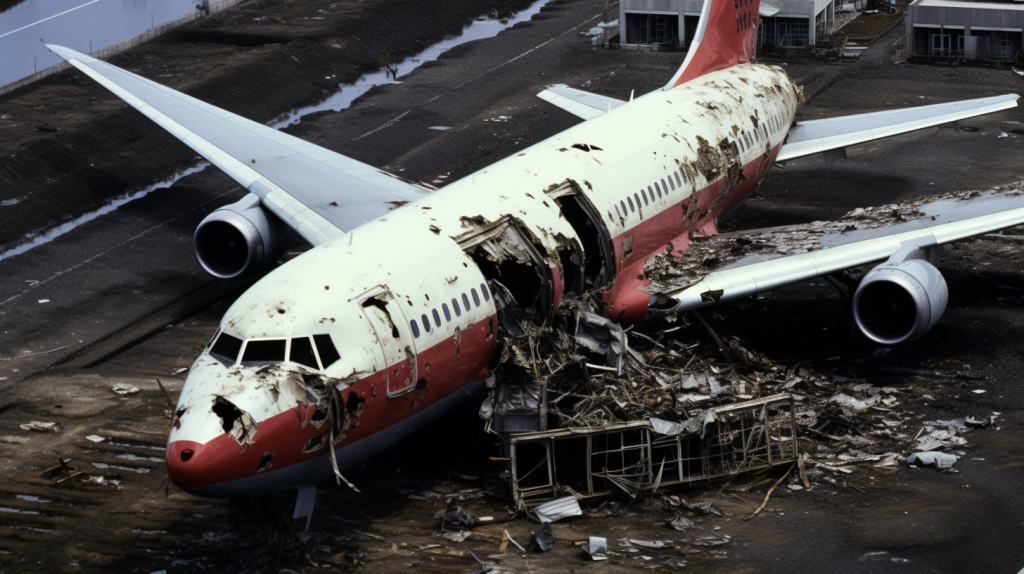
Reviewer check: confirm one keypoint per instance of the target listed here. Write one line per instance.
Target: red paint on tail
(726, 36)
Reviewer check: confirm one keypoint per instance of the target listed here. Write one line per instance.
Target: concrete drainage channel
(340, 100)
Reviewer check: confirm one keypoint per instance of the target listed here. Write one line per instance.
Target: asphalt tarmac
(120, 299)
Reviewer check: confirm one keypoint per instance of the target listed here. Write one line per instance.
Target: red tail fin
(725, 37)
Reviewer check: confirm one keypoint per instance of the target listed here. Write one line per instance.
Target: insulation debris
(38, 426)
(670, 272)
(558, 509)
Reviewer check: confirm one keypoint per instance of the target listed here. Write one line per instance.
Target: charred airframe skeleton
(392, 317)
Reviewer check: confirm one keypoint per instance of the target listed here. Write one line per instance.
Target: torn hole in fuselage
(383, 306)
(234, 421)
(597, 268)
(266, 462)
(516, 268)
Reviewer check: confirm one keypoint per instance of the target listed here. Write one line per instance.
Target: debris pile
(633, 409)
(671, 272)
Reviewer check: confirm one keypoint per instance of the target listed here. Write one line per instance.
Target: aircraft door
(395, 339)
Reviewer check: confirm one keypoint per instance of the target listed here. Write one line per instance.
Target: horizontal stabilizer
(579, 103)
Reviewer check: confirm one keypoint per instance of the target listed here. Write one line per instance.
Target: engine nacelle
(240, 239)
(901, 299)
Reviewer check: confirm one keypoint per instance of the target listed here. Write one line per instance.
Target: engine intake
(901, 299)
(240, 239)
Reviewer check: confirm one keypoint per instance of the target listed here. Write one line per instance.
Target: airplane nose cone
(190, 464)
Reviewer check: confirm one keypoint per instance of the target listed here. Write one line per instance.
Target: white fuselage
(685, 155)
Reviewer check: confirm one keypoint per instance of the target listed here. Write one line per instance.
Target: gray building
(672, 23)
(964, 30)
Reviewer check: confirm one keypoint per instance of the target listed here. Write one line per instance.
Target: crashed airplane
(392, 317)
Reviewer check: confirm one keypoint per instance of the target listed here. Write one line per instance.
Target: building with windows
(670, 24)
(965, 30)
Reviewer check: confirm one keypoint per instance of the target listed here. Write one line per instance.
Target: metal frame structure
(632, 457)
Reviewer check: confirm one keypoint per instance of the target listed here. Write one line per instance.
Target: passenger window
(665, 187)
(630, 200)
(483, 291)
(617, 212)
(263, 352)
(325, 348)
(447, 313)
(678, 181)
(465, 302)
(426, 323)
(415, 328)
(671, 183)
(302, 352)
(624, 210)
(226, 348)
(455, 305)
(437, 318)
(636, 196)
(644, 194)
(476, 298)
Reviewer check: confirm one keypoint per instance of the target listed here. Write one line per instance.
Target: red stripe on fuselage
(670, 230)
(447, 367)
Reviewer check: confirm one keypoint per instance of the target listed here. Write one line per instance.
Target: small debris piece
(545, 538)
(123, 389)
(938, 459)
(769, 493)
(597, 548)
(355, 555)
(701, 507)
(454, 514)
(558, 509)
(40, 427)
(63, 471)
(648, 543)
(439, 128)
(95, 438)
(513, 541)
(682, 523)
(456, 536)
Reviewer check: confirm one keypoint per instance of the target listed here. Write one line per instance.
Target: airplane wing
(732, 266)
(579, 103)
(317, 192)
(816, 136)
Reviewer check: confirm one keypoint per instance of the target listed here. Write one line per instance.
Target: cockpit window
(263, 352)
(226, 349)
(302, 352)
(328, 354)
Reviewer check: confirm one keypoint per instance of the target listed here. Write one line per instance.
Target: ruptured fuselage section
(366, 338)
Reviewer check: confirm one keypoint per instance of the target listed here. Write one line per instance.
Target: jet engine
(240, 239)
(901, 299)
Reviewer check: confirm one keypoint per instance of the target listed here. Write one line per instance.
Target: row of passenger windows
(747, 139)
(303, 350)
(661, 188)
(448, 312)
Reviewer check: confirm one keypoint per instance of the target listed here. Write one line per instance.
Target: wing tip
(68, 54)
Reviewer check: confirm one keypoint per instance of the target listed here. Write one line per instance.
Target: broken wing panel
(816, 136)
(317, 192)
(579, 103)
(803, 252)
